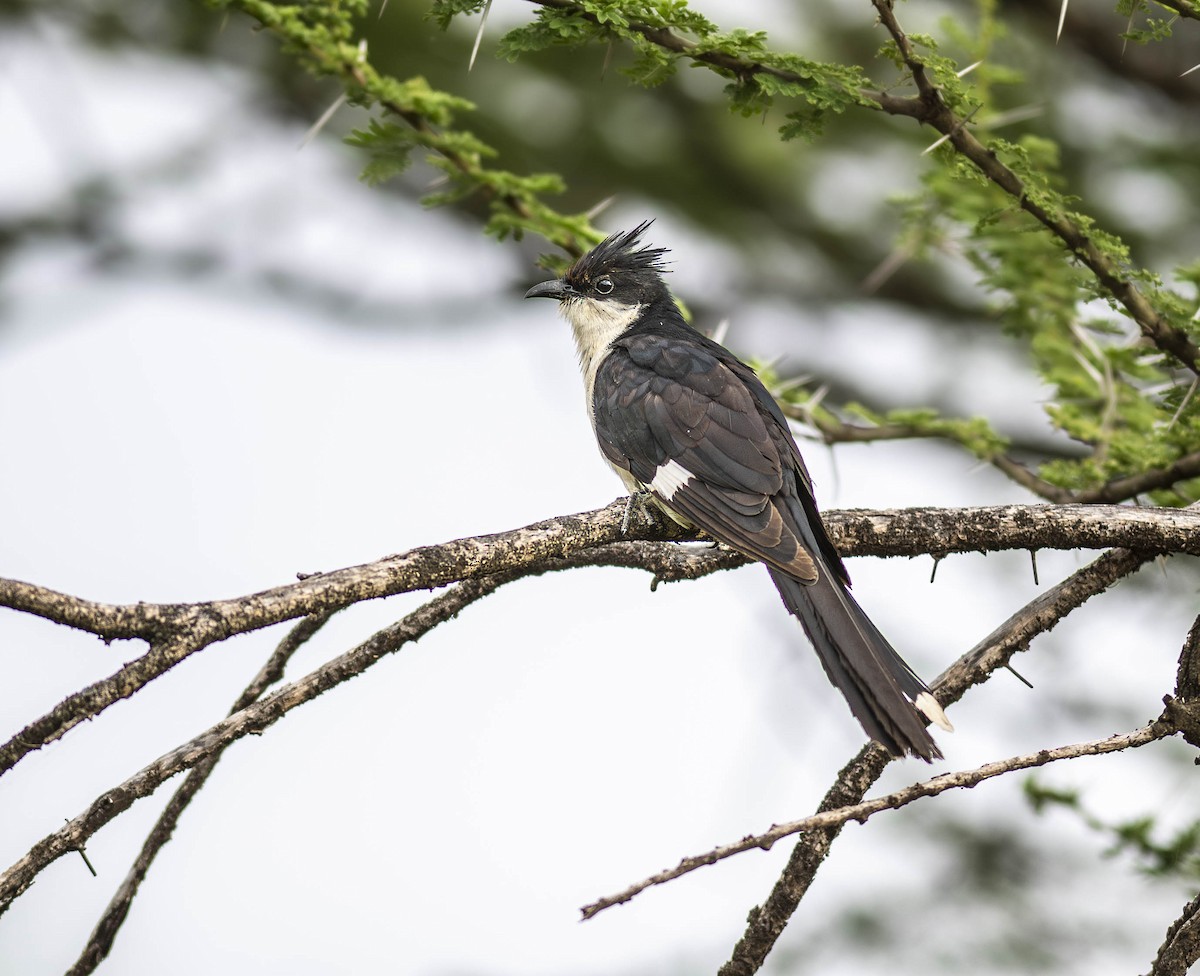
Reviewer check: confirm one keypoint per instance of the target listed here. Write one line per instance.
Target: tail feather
(883, 692)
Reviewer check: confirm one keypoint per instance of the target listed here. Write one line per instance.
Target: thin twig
(862, 812)
(252, 719)
(767, 921)
(101, 940)
(835, 431)
(1184, 8)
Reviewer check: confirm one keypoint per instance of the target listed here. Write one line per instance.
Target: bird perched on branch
(683, 421)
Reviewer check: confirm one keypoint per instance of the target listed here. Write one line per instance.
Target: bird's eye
(604, 286)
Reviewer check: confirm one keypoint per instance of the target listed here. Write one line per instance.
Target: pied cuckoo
(679, 417)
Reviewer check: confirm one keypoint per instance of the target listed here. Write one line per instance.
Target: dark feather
(617, 253)
(665, 393)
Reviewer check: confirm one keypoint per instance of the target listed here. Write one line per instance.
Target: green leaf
(389, 147)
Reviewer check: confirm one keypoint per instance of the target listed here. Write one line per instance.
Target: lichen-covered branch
(1181, 950)
(100, 942)
(252, 719)
(196, 626)
(767, 921)
(480, 564)
(184, 629)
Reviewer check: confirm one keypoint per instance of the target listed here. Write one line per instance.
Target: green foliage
(653, 64)
(1155, 29)
(1176, 856)
(1110, 395)
(758, 76)
(388, 146)
(974, 434)
(1151, 29)
(550, 27)
(1108, 392)
(444, 11)
(323, 37)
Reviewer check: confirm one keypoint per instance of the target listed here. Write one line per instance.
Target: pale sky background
(175, 438)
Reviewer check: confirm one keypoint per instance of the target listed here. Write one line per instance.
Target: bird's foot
(635, 498)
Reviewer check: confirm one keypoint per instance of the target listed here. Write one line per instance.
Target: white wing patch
(669, 478)
(927, 704)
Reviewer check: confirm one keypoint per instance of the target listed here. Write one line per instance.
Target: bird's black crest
(619, 252)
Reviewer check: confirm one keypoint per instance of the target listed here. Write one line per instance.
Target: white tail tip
(928, 706)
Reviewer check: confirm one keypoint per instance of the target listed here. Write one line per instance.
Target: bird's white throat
(595, 324)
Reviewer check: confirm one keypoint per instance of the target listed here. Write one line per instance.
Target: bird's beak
(556, 288)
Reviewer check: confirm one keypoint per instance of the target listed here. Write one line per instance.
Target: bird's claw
(635, 498)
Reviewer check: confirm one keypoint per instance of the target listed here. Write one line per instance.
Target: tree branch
(561, 543)
(252, 719)
(767, 921)
(195, 626)
(918, 531)
(1184, 8)
(836, 431)
(928, 107)
(1181, 949)
(1120, 489)
(187, 628)
(100, 942)
(147, 621)
(861, 812)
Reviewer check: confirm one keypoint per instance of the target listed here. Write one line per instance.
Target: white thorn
(1190, 70)
(320, 124)
(600, 207)
(1062, 19)
(928, 149)
(487, 8)
(1187, 398)
(928, 706)
(969, 68)
(1128, 27)
(1031, 111)
(889, 265)
(958, 125)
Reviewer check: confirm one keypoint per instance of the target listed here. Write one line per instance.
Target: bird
(687, 425)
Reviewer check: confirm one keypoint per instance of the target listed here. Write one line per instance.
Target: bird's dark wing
(678, 416)
(695, 425)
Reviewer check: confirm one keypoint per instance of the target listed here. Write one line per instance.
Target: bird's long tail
(883, 692)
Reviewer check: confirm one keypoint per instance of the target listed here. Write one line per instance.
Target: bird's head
(602, 294)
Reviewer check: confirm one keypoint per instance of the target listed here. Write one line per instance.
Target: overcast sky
(169, 437)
